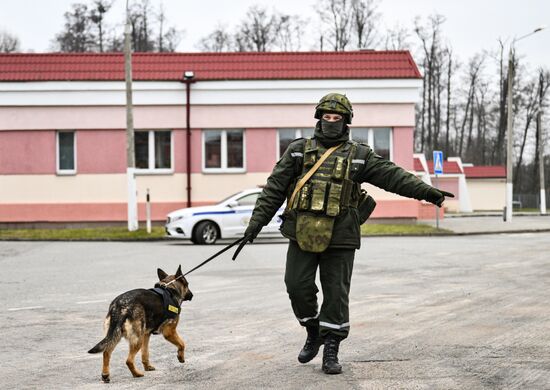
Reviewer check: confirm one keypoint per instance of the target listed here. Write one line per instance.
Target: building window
(223, 150)
(153, 151)
(379, 139)
(66, 153)
(286, 136)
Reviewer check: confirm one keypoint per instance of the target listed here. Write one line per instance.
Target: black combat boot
(312, 345)
(330, 355)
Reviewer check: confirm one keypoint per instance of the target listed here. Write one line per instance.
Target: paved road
(427, 313)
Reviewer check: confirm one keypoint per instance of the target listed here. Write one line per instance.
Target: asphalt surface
(466, 312)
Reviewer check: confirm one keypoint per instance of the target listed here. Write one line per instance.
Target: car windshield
(229, 197)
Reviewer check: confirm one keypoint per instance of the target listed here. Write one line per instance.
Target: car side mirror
(232, 204)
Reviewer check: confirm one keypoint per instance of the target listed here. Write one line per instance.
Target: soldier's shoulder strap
(358, 160)
(362, 150)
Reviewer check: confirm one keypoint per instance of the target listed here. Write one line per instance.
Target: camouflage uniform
(336, 261)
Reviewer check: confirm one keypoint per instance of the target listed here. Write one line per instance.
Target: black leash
(216, 255)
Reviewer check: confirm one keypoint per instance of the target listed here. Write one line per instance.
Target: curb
(442, 234)
(449, 234)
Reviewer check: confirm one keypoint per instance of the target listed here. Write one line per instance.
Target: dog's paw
(137, 374)
(149, 367)
(105, 378)
(181, 359)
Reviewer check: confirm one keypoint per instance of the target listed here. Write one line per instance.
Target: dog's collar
(174, 293)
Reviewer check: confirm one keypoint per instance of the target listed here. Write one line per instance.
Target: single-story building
(487, 186)
(476, 188)
(63, 121)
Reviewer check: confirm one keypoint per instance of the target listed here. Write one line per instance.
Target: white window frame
(297, 134)
(370, 136)
(59, 171)
(151, 146)
(223, 146)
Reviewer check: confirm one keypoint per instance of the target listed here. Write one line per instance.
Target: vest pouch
(313, 232)
(338, 171)
(310, 157)
(305, 197)
(334, 195)
(318, 196)
(366, 206)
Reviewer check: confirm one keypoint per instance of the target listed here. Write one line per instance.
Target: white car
(229, 218)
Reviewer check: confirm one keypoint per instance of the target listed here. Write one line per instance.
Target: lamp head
(188, 75)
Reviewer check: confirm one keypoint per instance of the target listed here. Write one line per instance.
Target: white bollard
(148, 211)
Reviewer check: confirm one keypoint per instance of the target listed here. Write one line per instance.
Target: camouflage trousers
(335, 269)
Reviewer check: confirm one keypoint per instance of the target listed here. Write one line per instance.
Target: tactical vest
(325, 195)
(330, 189)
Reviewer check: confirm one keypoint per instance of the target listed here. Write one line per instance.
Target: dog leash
(209, 259)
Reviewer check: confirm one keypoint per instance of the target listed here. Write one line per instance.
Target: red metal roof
(418, 165)
(208, 66)
(448, 167)
(485, 171)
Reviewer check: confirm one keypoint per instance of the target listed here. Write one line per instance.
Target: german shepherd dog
(137, 314)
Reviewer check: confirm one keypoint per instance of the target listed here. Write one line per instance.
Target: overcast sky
(471, 25)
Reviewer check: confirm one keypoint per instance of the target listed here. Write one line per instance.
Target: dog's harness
(170, 303)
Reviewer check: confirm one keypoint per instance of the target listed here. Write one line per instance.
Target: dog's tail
(113, 336)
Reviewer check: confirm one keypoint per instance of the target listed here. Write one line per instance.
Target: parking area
(428, 312)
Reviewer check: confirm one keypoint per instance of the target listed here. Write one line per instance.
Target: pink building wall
(27, 152)
(403, 147)
(100, 151)
(261, 149)
(103, 151)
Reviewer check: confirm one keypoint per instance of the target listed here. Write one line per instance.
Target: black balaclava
(331, 133)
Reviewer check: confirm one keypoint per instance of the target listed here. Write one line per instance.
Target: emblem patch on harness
(173, 309)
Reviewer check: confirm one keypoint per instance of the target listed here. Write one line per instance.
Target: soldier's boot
(312, 345)
(330, 355)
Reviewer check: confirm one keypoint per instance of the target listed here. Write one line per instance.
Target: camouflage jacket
(346, 233)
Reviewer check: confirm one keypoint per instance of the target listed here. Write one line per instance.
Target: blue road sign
(438, 162)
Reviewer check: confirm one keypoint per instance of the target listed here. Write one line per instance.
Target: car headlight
(174, 219)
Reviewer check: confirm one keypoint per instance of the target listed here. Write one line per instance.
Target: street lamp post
(510, 128)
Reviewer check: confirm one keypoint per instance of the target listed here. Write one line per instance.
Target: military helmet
(334, 102)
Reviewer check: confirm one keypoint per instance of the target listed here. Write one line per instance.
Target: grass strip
(401, 230)
(106, 233)
(122, 233)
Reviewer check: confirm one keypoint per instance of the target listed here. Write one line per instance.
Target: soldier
(323, 217)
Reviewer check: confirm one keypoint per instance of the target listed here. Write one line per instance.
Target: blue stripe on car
(214, 212)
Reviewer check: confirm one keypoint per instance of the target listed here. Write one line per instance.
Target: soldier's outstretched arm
(390, 177)
(276, 188)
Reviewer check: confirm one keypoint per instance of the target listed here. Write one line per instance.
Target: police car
(229, 218)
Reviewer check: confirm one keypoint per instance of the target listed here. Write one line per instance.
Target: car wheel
(206, 233)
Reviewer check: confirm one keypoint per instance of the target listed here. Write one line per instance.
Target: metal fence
(522, 201)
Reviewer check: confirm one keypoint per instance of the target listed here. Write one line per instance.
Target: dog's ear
(161, 274)
(178, 272)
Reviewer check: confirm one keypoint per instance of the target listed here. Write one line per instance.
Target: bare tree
(168, 38)
(100, 7)
(397, 38)
(78, 34)
(219, 40)
(450, 69)
(429, 36)
(474, 68)
(364, 22)
(9, 43)
(543, 86)
(289, 32)
(336, 16)
(258, 31)
(529, 102)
